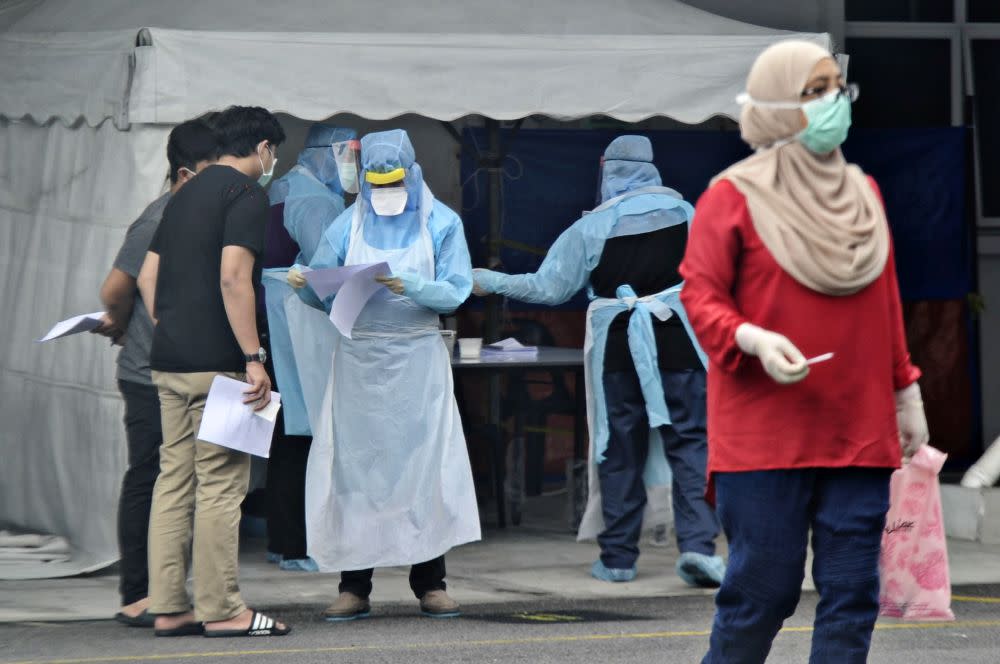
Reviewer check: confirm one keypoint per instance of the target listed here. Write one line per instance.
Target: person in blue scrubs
(389, 481)
(304, 202)
(645, 370)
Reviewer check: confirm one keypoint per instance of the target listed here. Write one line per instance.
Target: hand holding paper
(328, 281)
(74, 325)
(395, 284)
(260, 386)
(227, 421)
(296, 279)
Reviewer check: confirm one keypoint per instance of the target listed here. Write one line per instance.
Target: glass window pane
(985, 56)
(904, 82)
(901, 10)
(983, 11)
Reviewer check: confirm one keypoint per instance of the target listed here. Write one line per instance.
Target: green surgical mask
(265, 176)
(829, 119)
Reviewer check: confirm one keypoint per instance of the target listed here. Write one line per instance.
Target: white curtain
(66, 196)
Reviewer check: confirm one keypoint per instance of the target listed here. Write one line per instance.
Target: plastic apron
(312, 338)
(642, 345)
(389, 481)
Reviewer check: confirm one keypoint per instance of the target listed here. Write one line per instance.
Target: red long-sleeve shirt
(843, 413)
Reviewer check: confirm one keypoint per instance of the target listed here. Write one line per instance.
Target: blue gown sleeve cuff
(413, 284)
(488, 280)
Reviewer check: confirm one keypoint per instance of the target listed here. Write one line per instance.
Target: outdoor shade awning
(629, 60)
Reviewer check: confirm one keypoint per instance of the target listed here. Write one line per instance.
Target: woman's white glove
(780, 358)
(913, 433)
(295, 278)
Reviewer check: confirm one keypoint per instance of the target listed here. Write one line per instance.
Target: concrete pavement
(543, 631)
(538, 562)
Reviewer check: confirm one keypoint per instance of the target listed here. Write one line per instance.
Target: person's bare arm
(147, 282)
(236, 282)
(118, 295)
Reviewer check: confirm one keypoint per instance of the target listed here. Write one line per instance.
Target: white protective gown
(389, 481)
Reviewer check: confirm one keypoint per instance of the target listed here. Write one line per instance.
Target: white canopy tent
(89, 92)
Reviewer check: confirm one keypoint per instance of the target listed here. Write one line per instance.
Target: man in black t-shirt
(199, 282)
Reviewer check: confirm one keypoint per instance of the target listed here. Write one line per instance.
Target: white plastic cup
(448, 336)
(470, 348)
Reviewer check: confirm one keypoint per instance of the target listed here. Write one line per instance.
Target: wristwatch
(259, 356)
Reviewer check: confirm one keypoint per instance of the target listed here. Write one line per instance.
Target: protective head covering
(817, 215)
(318, 157)
(311, 190)
(387, 158)
(627, 166)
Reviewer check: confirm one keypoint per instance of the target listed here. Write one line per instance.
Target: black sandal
(260, 625)
(186, 629)
(144, 619)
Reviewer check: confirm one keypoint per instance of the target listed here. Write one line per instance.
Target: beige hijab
(817, 215)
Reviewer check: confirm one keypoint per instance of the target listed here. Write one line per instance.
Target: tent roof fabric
(444, 59)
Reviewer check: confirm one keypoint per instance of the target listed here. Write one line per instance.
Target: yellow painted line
(548, 617)
(579, 638)
(978, 600)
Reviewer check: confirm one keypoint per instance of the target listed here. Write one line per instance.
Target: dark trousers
(424, 577)
(623, 493)
(286, 492)
(144, 436)
(767, 516)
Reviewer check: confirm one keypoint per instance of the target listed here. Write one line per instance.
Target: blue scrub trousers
(767, 516)
(623, 494)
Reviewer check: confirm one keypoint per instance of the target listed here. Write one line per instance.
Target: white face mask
(266, 175)
(389, 201)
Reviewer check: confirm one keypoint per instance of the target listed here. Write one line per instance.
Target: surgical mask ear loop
(266, 175)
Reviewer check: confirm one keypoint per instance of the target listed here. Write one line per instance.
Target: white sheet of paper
(74, 325)
(270, 411)
(328, 281)
(354, 295)
(229, 422)
(510, 345)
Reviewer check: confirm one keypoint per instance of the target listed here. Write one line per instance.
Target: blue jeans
(623, 494)
(767, 516)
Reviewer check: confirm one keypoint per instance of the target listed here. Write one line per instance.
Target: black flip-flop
(260, 625)
(144, 619)
(186, 629)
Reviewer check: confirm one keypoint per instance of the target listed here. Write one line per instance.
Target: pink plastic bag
(914, 559)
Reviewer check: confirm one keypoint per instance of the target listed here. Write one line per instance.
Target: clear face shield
(600, 181)
(347, 154)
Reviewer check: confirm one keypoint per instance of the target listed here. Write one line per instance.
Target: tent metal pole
(493, 308)
(495, 227)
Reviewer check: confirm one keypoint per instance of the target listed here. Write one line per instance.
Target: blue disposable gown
(452, 283)
(566, 269)
(310, 208)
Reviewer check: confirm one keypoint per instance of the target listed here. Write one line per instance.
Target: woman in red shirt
(790, 258)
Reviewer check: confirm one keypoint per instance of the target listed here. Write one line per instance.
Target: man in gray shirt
(191, 146)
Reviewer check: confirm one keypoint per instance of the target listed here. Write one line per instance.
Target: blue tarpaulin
(550, 178)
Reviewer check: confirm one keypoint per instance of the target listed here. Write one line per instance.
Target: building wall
(799, 15)
(989, 331)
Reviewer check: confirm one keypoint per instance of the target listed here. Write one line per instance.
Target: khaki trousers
(198, 494)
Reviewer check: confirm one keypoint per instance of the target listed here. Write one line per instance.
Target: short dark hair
(240, 128)
(189, 143)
